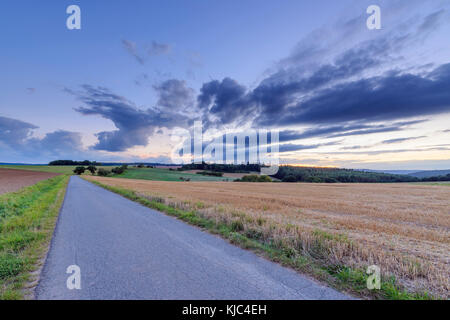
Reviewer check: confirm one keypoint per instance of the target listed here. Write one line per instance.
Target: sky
(339, 93)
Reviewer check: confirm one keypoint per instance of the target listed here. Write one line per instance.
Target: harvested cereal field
(12, 179)
(402, 228)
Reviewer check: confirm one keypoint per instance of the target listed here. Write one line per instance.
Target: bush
(103, 173)
(79, 170)
(264, 179)
(254, 178)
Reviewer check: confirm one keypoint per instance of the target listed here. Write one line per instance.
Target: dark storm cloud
(224, 102)
(134, 126)
(389, 97)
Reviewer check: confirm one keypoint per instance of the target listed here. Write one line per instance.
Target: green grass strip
(27, 221)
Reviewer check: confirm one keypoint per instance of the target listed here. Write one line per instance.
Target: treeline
(100, 172)
(332, 175)
(104, 164)
(74, 163)
(228, 168)
(438, 178)
(212, 173)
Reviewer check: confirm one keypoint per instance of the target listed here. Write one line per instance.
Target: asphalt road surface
(127, 251)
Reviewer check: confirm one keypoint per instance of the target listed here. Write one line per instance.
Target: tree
(92, 169)
(119, 170)
(79, 170)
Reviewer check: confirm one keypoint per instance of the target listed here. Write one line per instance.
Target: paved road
(127, 251)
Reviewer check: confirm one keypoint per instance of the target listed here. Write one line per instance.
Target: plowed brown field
(12, 180)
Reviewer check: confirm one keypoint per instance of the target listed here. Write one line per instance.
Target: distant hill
(19, 164)
(406, 172)
(429, 173)
(412, 173)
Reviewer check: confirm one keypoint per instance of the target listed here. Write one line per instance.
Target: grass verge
(27, 221)
(313, 262)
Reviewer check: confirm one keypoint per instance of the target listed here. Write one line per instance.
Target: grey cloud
(432, 21)
(345, 130)
(15, 132)
(390, 141)
(60, 142)
(289, 147)
(131, 47)
(158, 48)
(377, 152)
(175, 95)
(134, 126)
(16, 135)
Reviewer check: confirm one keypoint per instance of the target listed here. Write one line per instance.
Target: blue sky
(340, 94)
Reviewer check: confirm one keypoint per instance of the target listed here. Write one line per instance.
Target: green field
(434, 183)
(27, 221)
(131, 173)
(166, 175)
(55, 169)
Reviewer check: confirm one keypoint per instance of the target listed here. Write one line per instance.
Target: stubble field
(402, 228)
